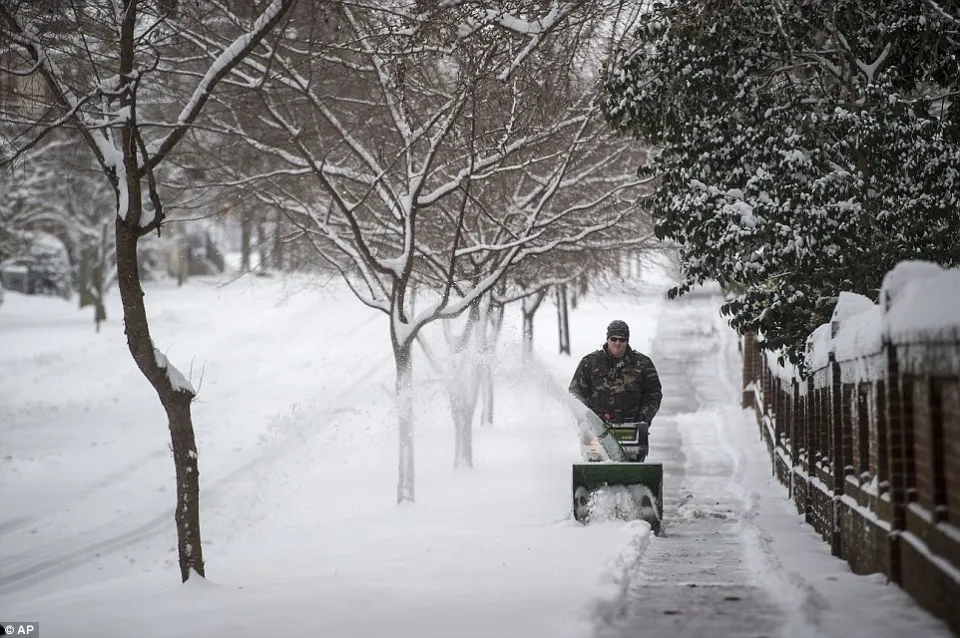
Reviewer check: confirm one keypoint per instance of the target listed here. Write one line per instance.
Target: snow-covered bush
(42, 267)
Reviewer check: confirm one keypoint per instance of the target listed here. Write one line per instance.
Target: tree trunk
(177, 406)
(563, 319)
(246, 238)
(100, 313)
(176, 400)
(85, 276)
(279, 261)
(402, 352)
(486, 387)
(462, 409)
(528, 332)
(93, 274)
(491, 337)
(262, 246)
(183, 256)
(463, 387)
(529, 307)
(99, 279)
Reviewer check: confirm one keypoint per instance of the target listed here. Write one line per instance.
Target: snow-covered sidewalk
(736, 559)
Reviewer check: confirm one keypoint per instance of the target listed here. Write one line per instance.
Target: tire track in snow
(13, 524)
(23, 570)
(124, 472)
(116, 477)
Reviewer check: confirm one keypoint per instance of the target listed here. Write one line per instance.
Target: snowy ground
(297, 449)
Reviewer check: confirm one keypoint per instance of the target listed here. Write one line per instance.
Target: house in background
(194, 253)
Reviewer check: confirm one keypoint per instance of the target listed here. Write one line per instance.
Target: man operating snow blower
(621, 389)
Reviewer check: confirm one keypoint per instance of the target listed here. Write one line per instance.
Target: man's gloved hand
(643, 438)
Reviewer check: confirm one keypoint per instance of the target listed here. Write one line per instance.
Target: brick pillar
(907, 390)
(836, 452)
(797, 435)
(882, 452)
(777, 411)
(938, 454)
(862, 434)
(895, 458)
(810, 423)
(951, 438)
(792, 421)
(766, 378)
(796, 440)
(751, 368)
(846, 432)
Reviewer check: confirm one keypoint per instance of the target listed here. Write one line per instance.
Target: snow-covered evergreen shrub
(805, 148)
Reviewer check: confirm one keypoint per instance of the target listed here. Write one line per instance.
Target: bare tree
(431, 154)
(95, 68)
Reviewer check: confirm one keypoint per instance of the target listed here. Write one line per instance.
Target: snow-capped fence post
(882, 441)
(895, 455)
(767, 385)
(776, 411)
(801, 471)
(940, 410)
(796, 437)
(836, 428)
(810, 426)
(750, 374)
(862, 464)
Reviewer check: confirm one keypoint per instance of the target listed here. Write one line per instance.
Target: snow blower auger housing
(613, 481)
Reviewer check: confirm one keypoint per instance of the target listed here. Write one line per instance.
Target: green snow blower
(614, 482)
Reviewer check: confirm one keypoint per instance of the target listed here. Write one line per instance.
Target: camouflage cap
(619, 328)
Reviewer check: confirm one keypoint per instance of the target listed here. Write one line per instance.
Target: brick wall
(873, 463)
(951, 447)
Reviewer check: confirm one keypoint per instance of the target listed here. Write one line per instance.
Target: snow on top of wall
(901, 276)
(860, 334)
(819, 344)
(850, 304)
(927, 307)
(919, 300)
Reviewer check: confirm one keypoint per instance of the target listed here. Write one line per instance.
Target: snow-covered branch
(222, 65)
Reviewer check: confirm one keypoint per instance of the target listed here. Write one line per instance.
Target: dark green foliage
(805, 147)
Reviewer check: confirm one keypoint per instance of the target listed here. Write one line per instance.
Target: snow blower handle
(633, 439)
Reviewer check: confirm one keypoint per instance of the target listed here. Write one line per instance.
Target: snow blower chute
(614, 481)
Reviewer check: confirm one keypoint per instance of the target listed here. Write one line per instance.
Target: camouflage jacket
(618, 390)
